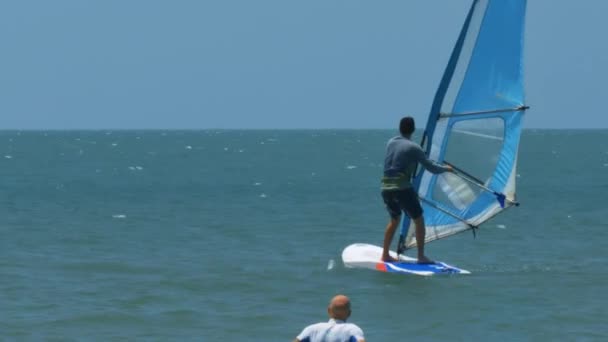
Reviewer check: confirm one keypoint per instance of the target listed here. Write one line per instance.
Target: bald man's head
(339, 307)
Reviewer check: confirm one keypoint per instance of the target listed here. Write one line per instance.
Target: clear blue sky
(121, 64)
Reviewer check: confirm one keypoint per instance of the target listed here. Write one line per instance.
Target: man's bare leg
(388, 238)
(420, 235)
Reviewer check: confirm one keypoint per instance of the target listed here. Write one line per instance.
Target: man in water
(336, 330)
(398, 194)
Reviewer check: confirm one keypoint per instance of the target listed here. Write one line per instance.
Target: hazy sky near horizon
(123, 64)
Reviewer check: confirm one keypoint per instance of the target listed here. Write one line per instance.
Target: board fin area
(363, 255)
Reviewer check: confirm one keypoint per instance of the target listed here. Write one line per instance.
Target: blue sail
(475, 124)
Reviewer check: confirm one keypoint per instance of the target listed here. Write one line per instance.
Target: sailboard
(363, 255)
(474, 125)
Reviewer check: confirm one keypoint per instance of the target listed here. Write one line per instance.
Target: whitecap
(8, 156)
(241, 151)
(350, 167)
(331, 264)
(225, 148)
(501, 226)
(139, 168)
(257, 184)
(114, 144)
(188, 147)
(119, 216)
(263, 195)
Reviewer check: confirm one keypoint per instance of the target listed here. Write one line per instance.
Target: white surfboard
(363, 255)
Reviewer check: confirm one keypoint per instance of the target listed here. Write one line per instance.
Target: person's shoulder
(316, 326)
(356, 331)
(353, 325)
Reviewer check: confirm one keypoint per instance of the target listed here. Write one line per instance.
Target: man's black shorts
(398, 200)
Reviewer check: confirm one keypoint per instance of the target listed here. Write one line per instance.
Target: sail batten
(475, 122)
(445, 115)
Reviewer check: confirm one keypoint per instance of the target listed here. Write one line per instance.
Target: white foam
(331, 264)
(263, 195)
(119, 216)
(114, 144)
(501, 226)
(225, 148)
(8, 156)
(350, 167)
(257, 184)
(188, 147)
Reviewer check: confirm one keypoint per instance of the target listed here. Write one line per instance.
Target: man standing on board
(398, 194)
(336, 330)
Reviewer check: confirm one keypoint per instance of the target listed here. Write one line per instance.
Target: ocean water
(237, 235)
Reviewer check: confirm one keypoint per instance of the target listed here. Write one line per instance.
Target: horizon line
(265, 129)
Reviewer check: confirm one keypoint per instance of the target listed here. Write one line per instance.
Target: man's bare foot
(425, 260)
(388, 258)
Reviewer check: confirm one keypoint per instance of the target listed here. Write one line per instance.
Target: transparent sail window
(473, 146)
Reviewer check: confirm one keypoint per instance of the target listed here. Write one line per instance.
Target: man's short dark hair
(407, 126)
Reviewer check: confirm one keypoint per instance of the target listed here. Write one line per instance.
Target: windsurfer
(398, 194)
